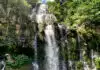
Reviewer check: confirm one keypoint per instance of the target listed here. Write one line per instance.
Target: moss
(41, 27)
(97, 62)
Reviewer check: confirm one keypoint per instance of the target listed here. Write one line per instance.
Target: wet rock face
(60, 32)
(41, 13)
(43, 8)
(50, 19)
(43, 16)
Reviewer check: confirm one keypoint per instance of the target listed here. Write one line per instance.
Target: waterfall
(93, 56)
(86, 66)
(51, 49)
(63, 35)
(34, 63)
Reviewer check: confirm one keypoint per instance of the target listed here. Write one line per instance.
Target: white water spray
(51, 48)
(52, 61)
(35, 63)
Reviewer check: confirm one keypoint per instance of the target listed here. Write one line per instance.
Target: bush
(79, 65)
(97, 62)
(20, 60)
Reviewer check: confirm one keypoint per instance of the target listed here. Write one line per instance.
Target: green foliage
(81, 16)
(7, 39)
(20, 60)
(75, 12)
(79, 65)
(97, 62)
(32, 1)
(73, 49)
(14, 11)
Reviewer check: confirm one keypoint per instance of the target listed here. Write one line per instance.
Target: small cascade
(70, 65)
(64, 65)
(79, 48)
(63, 35)
(93, 56)
(51, 49)
(35, 63)
(86, 66)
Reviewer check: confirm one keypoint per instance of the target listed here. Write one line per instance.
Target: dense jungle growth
(81, 18)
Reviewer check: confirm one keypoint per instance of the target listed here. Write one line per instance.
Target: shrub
(20, 60)
(79, 65)
(97, 62)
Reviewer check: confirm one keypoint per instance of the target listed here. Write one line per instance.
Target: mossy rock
(41, 27)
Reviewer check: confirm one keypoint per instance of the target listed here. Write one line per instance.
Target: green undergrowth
(19, 61)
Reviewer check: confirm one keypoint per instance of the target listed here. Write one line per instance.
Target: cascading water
(93, 56)
(35, 63)
(52, 61)
(51, 48)
(62, 61)
(86, 66)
